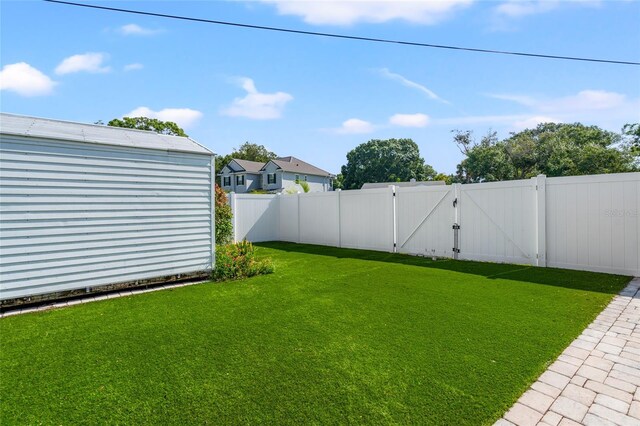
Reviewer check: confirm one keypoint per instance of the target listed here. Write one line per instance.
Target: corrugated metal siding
(75, 215)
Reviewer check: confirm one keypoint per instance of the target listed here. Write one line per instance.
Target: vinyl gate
(583, 222)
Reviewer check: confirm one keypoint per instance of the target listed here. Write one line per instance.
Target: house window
(305, 178)
(271, 178)
(240, 180)
(297, 178)
(226, 181)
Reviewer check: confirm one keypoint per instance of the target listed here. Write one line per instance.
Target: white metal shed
(88, 207)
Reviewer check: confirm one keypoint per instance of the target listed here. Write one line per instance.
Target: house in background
(241, 176)
(275, 175)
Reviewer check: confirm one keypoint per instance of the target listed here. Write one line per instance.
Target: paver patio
(596, 380)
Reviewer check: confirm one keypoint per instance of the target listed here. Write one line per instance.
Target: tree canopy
(390, 160)
(152, 124)
(553, 149)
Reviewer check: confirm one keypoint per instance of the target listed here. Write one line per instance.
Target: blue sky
(318, 98)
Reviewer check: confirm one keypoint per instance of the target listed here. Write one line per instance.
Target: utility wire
(342, 36)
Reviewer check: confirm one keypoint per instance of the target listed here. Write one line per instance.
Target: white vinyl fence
(582, 222)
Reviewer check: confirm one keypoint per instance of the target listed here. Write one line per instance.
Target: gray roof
(295, 165)
(247, 166)
(404, 184)
(19, 125)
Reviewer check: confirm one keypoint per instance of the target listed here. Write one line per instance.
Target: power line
(343, 36)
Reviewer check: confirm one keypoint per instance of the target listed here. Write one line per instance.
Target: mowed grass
(334, 336)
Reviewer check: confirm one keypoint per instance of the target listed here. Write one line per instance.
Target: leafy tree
(391, 160)
(631, 134)
(338, 182)
(253, 152)
(152, 124)
(223, 215)
(553, 149)
(486, 160)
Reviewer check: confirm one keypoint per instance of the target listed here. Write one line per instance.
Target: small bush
(223, 215)
(238, 260)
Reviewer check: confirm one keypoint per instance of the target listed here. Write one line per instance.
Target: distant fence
(582, 222)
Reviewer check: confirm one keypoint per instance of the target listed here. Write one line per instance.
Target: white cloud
(585, 100)
(355, 126)
(409, 120)
(332, 12)
(133, 67)
(411, 84)
(520, 8)
(479, 119)
(25, 80)
(88, 62)
(256, 105)
(532, 122)
(606, 109)
(183, 117)
(134, 29)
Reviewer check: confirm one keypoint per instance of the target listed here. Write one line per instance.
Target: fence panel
(288, 218)
(255, 217)
(425, 216)
(593, 223)
(367, 219)
(320, 216)
(582, 222)
(498, 221)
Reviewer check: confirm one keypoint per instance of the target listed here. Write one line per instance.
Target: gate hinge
(456, 250)
(456, 226)
(395, 245)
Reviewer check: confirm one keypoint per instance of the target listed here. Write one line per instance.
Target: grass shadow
(579, 280)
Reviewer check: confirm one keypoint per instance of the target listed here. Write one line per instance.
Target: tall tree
(631, 135)
(391, 160)
(152, 124)
(553, 149)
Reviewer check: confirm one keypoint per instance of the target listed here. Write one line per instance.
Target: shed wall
(76, 215)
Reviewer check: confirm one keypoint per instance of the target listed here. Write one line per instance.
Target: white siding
(77, 215)
(316, 183)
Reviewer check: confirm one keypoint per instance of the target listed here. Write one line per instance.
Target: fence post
(234, 210)
(339, 191)
(457, 194)
(299, 218)
(279, 210)
(541, 220)
(394, 219)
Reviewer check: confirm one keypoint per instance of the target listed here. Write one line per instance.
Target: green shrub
(305, 186)
(223, 215)
(238, 260)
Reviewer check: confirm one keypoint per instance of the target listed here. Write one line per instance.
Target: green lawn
(333, 336)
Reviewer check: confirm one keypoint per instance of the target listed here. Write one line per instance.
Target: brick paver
(596, 380)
